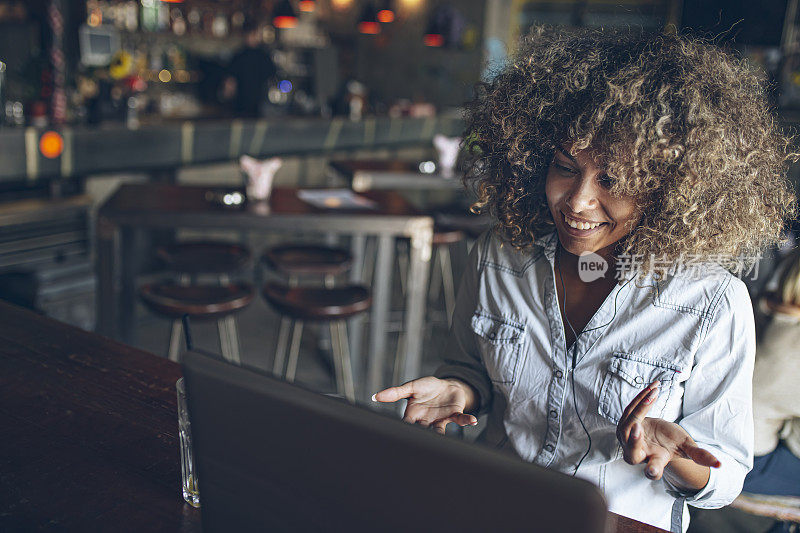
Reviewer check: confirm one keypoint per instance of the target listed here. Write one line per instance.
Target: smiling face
(587, 216)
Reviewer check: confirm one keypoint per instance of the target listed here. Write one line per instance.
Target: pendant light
(284, 16)
(385, 14)
(434, 33)
(307, 6)
(368, 23)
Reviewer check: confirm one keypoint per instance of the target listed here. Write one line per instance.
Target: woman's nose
(582, 196)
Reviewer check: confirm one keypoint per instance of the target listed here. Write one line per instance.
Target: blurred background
(98, 92)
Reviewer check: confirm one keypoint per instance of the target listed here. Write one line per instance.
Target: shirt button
(559, 374)
(492, 335)
(549, 447)
(639, 380)
(553, 413)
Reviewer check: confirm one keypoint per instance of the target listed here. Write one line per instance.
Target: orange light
(284, 22)
(95, 18)
(434, 39)
(173, 1)
(341, 5)
(370, 28)
(385, 16)
(307, 6)
(51, 145)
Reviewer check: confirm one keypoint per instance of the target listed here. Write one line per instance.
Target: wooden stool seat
(318, 303)
(783, 508)
(204, 257)
(446, 235)
(308, 259)
(475, 231)
(199, 301)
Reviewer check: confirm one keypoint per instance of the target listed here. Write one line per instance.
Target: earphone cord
(575, 347)
(574, 358)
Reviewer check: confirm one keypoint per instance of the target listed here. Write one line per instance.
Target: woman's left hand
(654, 440)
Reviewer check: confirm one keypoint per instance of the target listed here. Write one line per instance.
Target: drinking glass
(188, 467)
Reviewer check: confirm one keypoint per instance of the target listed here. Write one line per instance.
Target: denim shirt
(696, 336)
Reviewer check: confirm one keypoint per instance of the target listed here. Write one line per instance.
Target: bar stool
(303, 260)
(320, 304)
(442, 268)
(442, 278)
(201, 302)
(295, 260)
(194, 258)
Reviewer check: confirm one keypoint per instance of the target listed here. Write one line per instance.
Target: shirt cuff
(724, 485)
(692, 496)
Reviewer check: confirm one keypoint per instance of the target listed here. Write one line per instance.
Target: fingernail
(651, 396)
(374, 399)
(636, 431)
(650, 472)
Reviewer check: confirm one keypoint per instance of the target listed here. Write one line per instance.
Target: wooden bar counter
(88, 434)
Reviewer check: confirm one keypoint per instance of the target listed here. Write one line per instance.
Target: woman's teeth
(580, 225)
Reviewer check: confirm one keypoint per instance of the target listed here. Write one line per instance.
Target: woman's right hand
(433, 402)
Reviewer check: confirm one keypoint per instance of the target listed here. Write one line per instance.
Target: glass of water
(188, 467)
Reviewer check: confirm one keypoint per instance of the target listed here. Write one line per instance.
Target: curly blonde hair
(683, 126)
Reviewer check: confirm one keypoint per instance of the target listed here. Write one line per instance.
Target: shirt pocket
(627, 375)
(501, 347)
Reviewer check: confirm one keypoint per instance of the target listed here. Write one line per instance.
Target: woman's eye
(605, 181)
(564, 169)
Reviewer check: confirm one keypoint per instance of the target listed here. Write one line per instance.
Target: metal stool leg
(402, 265)
(399, 357)
(435, 284)
(337, 357)
(344, 365)
(370, 252)
(224, 341)
(233, 339)
(279, 365)
(173, 352)
(294, 351)
(447, 281)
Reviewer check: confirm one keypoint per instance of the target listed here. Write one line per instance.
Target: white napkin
(447, 149)
(260, 175)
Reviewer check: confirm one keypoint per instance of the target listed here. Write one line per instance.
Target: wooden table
(136, 207)
(367, 175)
(89, 434)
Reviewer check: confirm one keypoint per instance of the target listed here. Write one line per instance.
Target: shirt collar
(547, 242)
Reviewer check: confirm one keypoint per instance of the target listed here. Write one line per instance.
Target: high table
(136, 207)
(367, 175)
(90, 434)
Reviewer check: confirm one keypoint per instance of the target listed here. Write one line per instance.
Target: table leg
(420, 257)
(105, 263)
(381, 302)
(356, 324)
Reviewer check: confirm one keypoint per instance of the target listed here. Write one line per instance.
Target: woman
(655, 154)
(776, 409)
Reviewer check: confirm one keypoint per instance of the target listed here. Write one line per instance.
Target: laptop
(273, 456)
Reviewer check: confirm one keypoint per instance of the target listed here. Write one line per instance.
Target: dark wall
(742, 22)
